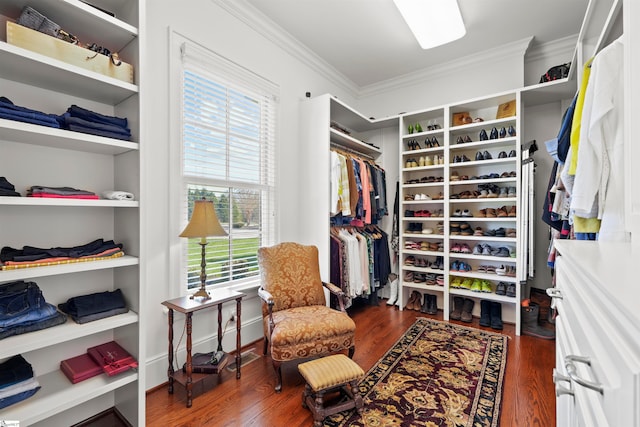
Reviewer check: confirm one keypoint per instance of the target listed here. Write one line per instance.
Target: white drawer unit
(597, 372)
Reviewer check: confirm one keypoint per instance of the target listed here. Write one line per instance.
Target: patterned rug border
(386, 363)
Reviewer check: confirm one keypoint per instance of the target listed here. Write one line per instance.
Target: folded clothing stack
(60, 192)
(10, 111)
(24, 309)
(87, 308)
(30, 256)
(79, 119)
(7, 188)
(17, 382)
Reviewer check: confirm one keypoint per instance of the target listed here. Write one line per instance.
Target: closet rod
(349, 150)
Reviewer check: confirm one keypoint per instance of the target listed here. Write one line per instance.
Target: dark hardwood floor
(528, 397)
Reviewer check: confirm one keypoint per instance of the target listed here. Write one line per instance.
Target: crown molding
(260, 23)
(565, 45)
(516, 48)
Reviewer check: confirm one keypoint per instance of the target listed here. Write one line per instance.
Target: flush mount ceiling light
(433, 22)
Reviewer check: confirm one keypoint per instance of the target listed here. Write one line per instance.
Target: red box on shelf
(112, 358)
(80, 368)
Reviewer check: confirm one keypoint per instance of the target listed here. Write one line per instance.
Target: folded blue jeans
(49, 322)
(92, 116)
(18, 298)
(33, 315)
(7, 401)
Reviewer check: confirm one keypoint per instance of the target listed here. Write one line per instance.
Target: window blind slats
(228, 156)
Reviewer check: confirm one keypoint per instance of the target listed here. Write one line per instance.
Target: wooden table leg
(238, 340)
(189, 366)
(170, 369)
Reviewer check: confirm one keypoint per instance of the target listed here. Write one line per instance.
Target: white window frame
(178, 188)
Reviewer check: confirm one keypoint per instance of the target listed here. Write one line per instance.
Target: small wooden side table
(188, 306)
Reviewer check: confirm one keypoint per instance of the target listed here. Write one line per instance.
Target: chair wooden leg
(352, 350)
(266, 346)
(277, 368)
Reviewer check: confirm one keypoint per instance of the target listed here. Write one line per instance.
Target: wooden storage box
(35, 41)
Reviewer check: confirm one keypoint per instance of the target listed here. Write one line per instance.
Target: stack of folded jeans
(7, 188)
(82, 120)
(10, 111)
(24, 309)
(86, 308)
(17, 382)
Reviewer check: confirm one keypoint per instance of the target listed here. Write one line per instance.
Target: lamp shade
(204, 221)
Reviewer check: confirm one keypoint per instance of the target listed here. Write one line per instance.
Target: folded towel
(117, 195)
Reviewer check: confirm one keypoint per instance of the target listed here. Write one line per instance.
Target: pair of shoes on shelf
(483, 155)
(462, 308)
(508, 289)
(479, 285)
(430, 304)
(461, 159)
(491, 314)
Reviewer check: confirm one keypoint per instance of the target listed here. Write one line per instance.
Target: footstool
(331, 373)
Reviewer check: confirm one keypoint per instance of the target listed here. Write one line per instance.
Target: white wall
(209, 25)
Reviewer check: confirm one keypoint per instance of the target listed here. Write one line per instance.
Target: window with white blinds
(228, 156)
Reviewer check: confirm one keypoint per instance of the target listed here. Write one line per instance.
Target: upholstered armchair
(297, 322)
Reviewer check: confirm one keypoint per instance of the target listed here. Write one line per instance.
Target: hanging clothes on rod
(357, 189)
(360, 262)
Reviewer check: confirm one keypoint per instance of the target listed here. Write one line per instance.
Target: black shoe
(479, 156)
(502, 155)
(457, 159)
(467, 138)
(485, 313)
(459, 140)
(496, 315)
(503, 133)
(511, 290)
(501, 289)
(456, 314)
(511, 131)
(465, 158)
(486, 155)
(494, 134)
(434, 142)
(483, 135)
(512, 153)
(432, 308)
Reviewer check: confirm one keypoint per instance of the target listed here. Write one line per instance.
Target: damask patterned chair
(297, 322)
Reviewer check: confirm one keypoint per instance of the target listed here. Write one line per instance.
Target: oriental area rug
(436, 374)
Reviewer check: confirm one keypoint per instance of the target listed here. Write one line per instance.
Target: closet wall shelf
(423, 236)
(347, 141)
(437, 132)
(57, 395)
(492, 277)
(80, 19)
(502, 260)
(62, 333)
(424, 286)
(54, 270)
(511, 200)
(24, 66)
(485, 124)
(422, 168)
(423, 150)
(484, 239)
(509, 141)
(423, 184)
(481, 219)
(27, 133)
(37, 201)
(415, 252)
(482, 181)
(474, 163)
(483, 295)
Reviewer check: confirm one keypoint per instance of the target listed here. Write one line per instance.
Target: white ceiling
(368, 41)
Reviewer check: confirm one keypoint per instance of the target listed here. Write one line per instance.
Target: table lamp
(203, 223)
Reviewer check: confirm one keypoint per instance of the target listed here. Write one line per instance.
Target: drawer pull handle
(571, 370)
(560, 390)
